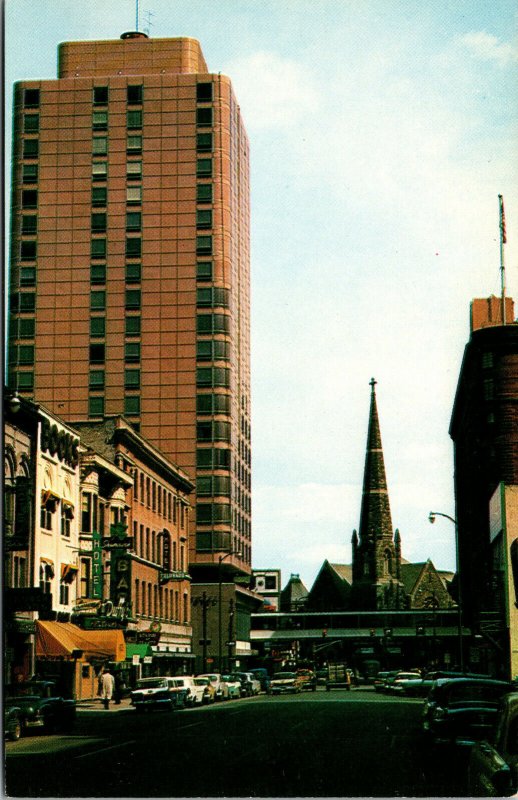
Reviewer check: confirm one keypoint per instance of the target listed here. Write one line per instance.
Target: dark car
(12, 723)
(420, 687)
(247, 688)
(493, 765)
(463, 710)
(381, 677)
(309, 679)
(262, 676)
(40, 706)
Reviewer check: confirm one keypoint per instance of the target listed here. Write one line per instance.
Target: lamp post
(431, 517)
(221, 559)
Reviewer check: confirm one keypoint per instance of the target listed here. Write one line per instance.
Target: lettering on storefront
(58, 442)
(174, 575)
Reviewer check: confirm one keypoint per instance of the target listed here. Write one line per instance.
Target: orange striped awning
(61, 639)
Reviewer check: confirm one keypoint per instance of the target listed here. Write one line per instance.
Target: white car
(195, 693)
(220, 687)
(256, 685)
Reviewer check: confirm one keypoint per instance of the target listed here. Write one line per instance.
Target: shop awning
(65, 640)
(68, 572)
(141, 650)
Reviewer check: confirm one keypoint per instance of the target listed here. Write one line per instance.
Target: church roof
(294, 591)
(375, 517)
(410, 574)
(344, 571)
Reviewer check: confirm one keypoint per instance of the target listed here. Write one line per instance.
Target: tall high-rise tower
(377, 550)
(129, 289)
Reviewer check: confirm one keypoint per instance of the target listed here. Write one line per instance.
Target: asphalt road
(336, 744)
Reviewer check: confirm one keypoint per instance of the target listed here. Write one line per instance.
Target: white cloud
(487, 47)
(274, 92)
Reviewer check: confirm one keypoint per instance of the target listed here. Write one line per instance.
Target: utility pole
(205, 601)
(230, 643)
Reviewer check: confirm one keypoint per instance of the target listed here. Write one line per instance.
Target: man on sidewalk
(107, 686)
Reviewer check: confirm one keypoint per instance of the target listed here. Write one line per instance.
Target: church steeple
(375, 518)
(376, 551)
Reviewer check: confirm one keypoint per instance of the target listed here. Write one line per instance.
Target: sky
(381, 134)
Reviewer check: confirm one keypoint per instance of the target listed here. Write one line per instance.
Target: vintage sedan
(309, 679)
(396, 684)
(40, 706)
(12, 723)
(286, 682)
(220, 687)
(233, 686)
(462, 710)
(381, 677)
(205, 691)
(493, 765)
(157, 693)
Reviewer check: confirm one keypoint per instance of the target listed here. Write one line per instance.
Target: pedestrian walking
(107, 686)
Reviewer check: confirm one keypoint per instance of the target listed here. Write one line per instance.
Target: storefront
(74, 657)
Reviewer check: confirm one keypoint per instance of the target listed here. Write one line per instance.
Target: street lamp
(221, 559)
(431, 517)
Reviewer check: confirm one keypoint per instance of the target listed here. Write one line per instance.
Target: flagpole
(503, 240)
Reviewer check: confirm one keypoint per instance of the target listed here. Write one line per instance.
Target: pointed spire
(375, 518)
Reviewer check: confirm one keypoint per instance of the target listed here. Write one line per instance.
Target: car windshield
(228, 678)
(201, 681)
(283, 675)
(152, 683)
(27, 690)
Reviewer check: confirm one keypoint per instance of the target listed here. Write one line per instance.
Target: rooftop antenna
(503, 240)
(147, 29)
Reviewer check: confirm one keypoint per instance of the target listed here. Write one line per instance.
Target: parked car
(245, 684)
(462, 710)
(233, 686)
(395, 684)
(40, 705)
(12, 723)
(381, 677)
(220, 687)
(256, 683)
(191, 692)
(493, 765)
(262, 676)
(419, 687)
(309, 679)
(286, 682)
(158, 693)
(205, 691)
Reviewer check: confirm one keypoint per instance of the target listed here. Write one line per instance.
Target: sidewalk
(96, 704)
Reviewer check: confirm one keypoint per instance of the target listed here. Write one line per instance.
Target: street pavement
(323, 744)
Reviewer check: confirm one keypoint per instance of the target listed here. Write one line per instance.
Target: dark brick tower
(376, 551)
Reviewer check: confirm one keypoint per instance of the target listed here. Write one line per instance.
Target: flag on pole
(502, 220)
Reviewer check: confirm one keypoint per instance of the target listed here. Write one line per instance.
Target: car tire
(15, 731)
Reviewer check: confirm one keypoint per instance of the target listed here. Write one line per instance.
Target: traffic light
(373, 631)
(324, 633)
(420, 631)
(387, 632)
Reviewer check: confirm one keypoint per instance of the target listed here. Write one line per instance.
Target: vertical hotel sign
(97, 566)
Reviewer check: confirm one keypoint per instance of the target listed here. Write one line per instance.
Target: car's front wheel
(15, 731)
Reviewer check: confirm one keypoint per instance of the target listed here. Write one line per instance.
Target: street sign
(205, 641)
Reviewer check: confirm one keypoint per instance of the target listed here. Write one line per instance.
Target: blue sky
(381, 133)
